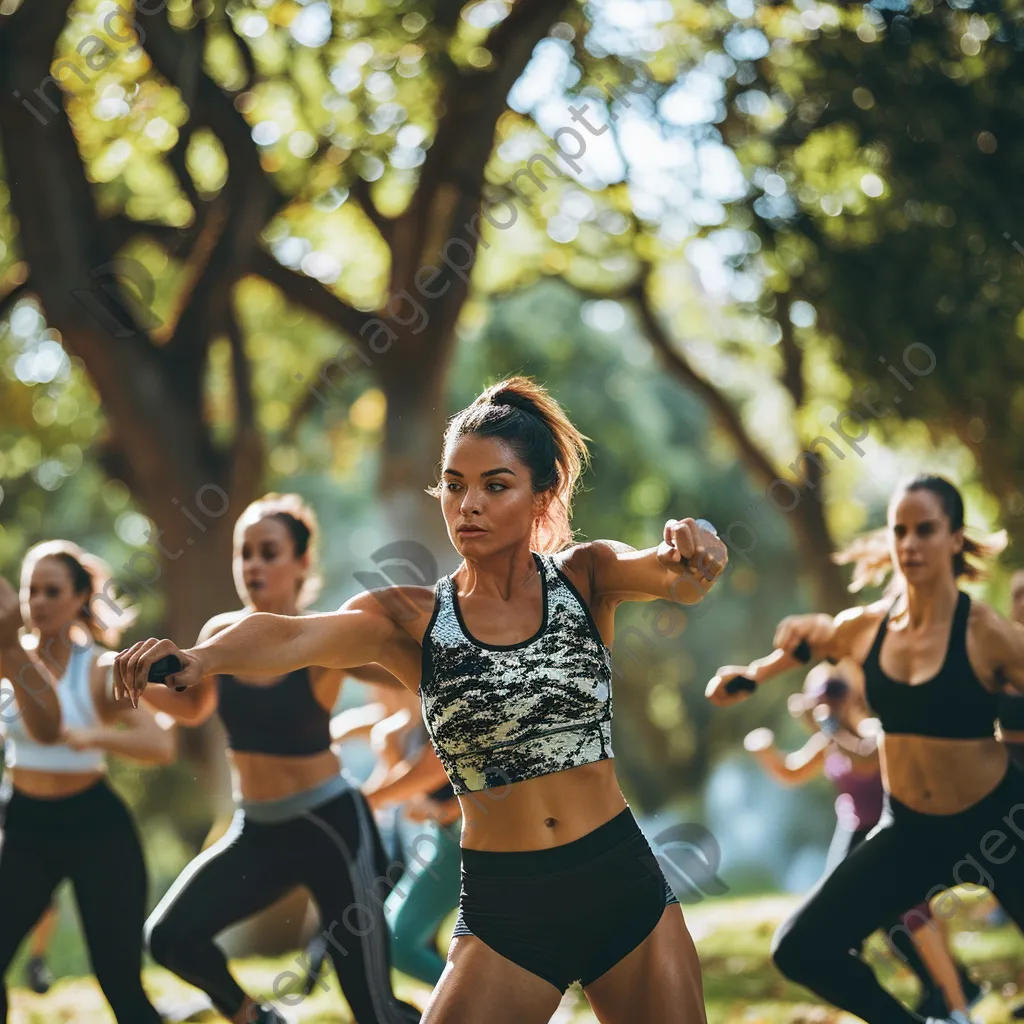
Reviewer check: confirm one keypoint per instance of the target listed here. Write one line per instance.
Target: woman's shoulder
(221, 622)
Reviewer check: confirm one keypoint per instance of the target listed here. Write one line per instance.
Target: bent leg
(342, 863)
(817, 946)
(480, 986)
(424, 896)
(659, 981)
(27, 881)
(227, 883)
(109, 877)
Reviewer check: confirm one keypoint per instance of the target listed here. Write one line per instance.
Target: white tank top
(78, 711)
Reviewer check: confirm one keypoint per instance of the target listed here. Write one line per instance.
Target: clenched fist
(693, 547)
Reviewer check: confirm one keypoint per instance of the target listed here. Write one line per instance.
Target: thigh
(480, 986)
(27, 881)
(108, 873)
(429, 889)
(891, 870)
(237, 876)
(658, 982)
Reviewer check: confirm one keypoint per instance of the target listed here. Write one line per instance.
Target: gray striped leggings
(333, 850)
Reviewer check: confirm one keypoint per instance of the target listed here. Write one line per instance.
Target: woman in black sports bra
(510, 658)
(935, 664)
(299, 820)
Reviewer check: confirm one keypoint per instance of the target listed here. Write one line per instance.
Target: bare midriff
(934, 775)
(274, 777)
(52, 785)
(540, 813)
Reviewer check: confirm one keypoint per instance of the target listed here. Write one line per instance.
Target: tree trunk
(815, 546)
(411, 456)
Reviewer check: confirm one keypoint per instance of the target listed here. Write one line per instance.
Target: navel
(551, 822)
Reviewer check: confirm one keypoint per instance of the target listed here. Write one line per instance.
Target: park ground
(732, 937)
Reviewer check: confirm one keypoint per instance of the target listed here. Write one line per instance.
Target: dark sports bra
(1011, 712)
(284, 719)
(951, 705)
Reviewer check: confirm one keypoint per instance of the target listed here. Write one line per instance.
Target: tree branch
(360, 189)
(753, 457)
(310, 294)
(792, 355)
(121, 229)
(241, 373)
(17, 292)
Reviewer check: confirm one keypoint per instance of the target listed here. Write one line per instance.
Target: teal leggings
(425, 895)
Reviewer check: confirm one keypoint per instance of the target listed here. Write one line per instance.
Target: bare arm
(34, 694)
(33, 690)
(683, 568)
(197, 704)
(357, 723)
(131, 733)
(825, 636)
(265, 644)
(795, 769)
(374, 675)
(409, 779)
(1002, 645)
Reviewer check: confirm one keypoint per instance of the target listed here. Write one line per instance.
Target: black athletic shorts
(571, 912)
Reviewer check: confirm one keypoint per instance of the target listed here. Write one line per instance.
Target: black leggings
(89, 838)
(844, 843)
(334, 851)
(910, 857)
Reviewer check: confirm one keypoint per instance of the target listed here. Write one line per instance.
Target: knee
(164, 942)
(792, 949)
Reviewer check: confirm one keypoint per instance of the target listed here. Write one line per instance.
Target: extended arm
(33, 691)
(265, 644)
(423, 774)
(131, 733)
(683, 568)
(795, 769)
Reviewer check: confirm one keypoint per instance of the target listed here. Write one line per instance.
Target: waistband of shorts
(519, 863)
(1009, 789)
(270, 812)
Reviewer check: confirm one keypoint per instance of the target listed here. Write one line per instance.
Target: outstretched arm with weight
(268, 644)
(33, 692)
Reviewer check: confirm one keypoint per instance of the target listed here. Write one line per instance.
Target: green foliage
(882, 147)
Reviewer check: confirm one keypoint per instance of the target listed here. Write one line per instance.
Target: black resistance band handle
(166, 666)
(744, 684)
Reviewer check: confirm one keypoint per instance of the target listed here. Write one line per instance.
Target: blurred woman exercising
(60, 817)
(829, 706)
(935, 663)
(300, 821)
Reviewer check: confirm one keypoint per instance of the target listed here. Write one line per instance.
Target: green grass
(741, 986)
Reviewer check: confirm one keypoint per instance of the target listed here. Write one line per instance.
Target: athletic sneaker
(37, 975)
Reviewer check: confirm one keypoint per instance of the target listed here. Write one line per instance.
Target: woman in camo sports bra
(511, 658)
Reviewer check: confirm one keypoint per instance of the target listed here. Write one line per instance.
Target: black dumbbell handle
(164, 667)
(744, 684)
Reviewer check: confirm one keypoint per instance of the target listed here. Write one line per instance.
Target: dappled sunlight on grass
(733, 936)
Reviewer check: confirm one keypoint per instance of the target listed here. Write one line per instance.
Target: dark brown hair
(522, 413)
